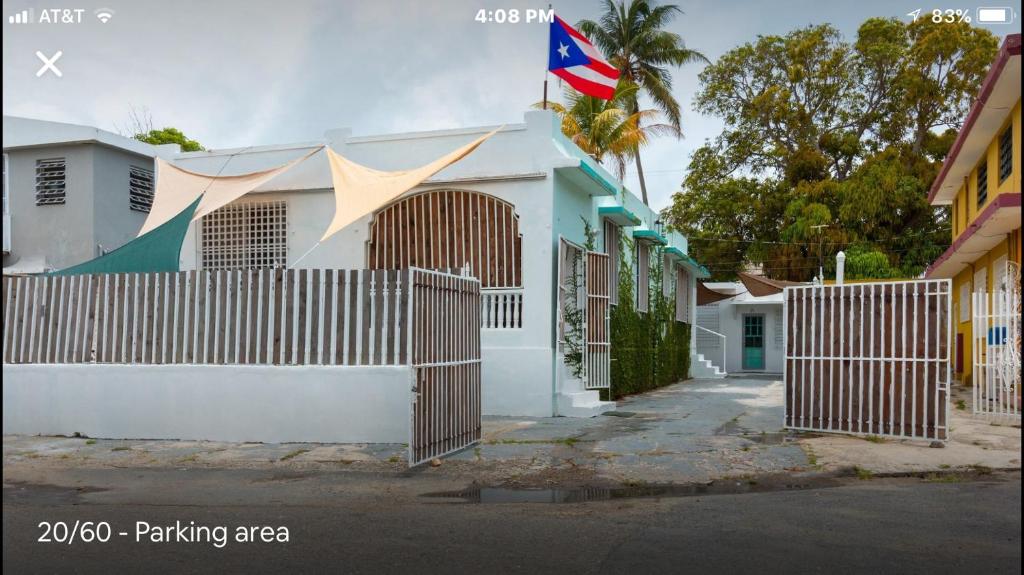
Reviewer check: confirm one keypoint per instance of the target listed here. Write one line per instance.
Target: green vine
(649, 350)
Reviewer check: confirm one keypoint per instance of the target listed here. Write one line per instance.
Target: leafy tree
(634, 39)
(849, 135)
(169, 136)
(140, 127)
(867, 263)
(604, 129)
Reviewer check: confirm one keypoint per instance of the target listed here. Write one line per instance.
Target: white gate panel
(996, 353)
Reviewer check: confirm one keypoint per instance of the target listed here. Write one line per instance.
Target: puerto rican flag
(574, 59)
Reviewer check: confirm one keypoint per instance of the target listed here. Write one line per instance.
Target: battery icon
(995, 15)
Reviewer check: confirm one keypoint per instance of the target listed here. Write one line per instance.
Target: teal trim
(686, 259)
(650, 236)
(676, 253)
(598, 178)
(158, 250)
(620, 215)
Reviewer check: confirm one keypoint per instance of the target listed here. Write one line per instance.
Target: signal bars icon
(104, 14)
(23, 17)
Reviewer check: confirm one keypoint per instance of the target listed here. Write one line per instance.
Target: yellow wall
(966, 209)
(1009, 248)
(965, 205)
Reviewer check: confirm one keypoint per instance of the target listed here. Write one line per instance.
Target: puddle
(731, 427)
(778, 438)
(619, 413)
(16, 492)
(585, 494)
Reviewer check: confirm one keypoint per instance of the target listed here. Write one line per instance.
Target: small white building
(741, 332)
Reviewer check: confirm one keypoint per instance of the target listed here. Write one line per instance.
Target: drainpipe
(840, 267)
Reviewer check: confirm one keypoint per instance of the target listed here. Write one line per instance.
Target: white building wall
(730, 323)
(516, 165)
(270, 404)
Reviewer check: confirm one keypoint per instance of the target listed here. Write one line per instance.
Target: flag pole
(547, 56)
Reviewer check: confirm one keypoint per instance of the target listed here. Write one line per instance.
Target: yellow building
(980, 179)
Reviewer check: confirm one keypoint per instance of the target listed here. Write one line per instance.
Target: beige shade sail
(359, 190)
(177, 188)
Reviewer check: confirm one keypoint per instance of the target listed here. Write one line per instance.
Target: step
(586, 403)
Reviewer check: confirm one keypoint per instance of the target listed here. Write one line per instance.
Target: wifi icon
(104, 14)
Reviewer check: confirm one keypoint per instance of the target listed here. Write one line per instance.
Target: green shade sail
(158, 250)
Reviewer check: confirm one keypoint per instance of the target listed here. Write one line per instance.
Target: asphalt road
(878, 526)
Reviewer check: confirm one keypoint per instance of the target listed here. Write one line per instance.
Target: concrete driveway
(691, 431)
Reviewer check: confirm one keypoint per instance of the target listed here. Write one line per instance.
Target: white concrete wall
(224, 403)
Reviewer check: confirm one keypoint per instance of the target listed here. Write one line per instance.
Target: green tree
(852, 133)
(169, 136)
(634, 39)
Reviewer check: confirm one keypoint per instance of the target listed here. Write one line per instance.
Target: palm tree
(604, 129)
(634, 40)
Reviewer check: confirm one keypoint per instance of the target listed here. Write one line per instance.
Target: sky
(249, 72)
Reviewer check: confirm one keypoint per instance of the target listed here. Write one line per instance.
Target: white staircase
(575, 401)
(701, 368)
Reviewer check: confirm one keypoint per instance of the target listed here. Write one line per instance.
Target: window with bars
(982, 183)
(140, 189)
(245, 236)
(51, 181)
(611, 247)
(643, 276)
(1006, 154)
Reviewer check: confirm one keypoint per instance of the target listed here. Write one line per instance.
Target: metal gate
(869, 358)
(996, 353)
(445, 351)
(598, 355)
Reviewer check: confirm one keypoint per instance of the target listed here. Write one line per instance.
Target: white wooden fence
(996, 354)
(279, 317)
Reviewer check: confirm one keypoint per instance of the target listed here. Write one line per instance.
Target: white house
(515, 213)
(741, 331)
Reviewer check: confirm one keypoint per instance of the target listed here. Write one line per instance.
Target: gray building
(71, 192)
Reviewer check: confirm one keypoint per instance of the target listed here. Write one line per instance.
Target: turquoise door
(753, 342)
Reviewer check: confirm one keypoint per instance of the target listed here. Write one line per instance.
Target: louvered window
(1006, 154)
(51, 181)
(140, 189)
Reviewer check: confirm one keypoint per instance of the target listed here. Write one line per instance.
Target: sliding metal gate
(996, 353)
(869, 358)
(445, 351)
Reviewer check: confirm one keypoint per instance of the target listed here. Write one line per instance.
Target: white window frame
(643, 277)
(612, 233)
(682, 294)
